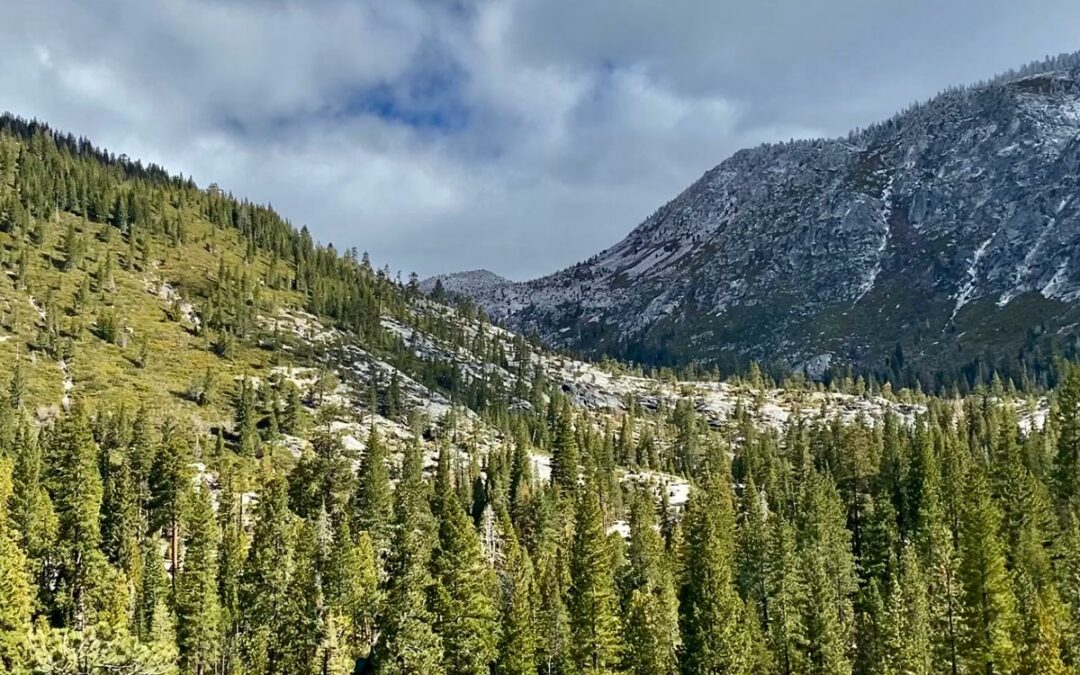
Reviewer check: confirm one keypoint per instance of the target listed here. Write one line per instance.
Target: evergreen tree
(989, 608)
(305, 639)
(908, 643)
(1067, 423)
(651, 629)
(518, 647)
(372, 504)
(710, 611)
(784, 626)
(264, 583)
(231, 552)
(30, 507)
(15, 584)
(553, 621)
(828, 570)
(463, 598)
(593, 603)
(408, 643)
(168, 481)
(198, 614)
(77, 494)
(565, 456)
(352, 592)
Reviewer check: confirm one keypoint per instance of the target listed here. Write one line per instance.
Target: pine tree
(304, 638)
(565, 456)
(294, 411)
(352, 592)
(651, 629)
(77, 493)
(908, 645)
(408, 643)
(989, 608)
(1067, 423)
(518, 646)
(593, 603)
(15, 583)
(784, 627)
(30, 508)
(553, 617)
(198, 614)
(230, 565)
(872, 629)
(463, 597)
(828, 570)
(753, 551)
(372, 503)
(17, 386)
(169, 478)
(152, 621)
(265, 580)
(710, 610)
(121, 521)
(1041, 651)
(1068, 583)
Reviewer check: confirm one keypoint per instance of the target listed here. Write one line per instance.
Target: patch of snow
(972, 273)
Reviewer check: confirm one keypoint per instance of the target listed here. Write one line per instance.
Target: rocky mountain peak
(949, 232)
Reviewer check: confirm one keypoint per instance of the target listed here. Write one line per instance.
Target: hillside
(173, 312)
(936, 246)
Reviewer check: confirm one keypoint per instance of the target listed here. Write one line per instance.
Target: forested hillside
(225, 448)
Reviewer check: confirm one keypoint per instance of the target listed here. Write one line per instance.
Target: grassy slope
(104, 372)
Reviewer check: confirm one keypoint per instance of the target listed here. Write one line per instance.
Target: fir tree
(518, 646)
(77, 494)
(304, 639)
(463, 597)
(372, 504)
(828, 570)
(198, 614)
(710, 611)
(408, 643)
(989, 608)
(1067, 423)
(168, 480)
(265, 580)
(15, 584)
(908, 643)
(651, 628)
(784, 627)
(593, 603)
(352, 592)
(565, 456)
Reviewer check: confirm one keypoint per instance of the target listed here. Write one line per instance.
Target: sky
(519, 136)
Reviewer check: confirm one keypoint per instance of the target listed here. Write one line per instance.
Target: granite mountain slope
(947, 235)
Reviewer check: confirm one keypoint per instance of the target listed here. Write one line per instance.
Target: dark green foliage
(408, 642)
(711, 618)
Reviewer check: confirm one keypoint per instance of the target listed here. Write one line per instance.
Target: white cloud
(519, 135)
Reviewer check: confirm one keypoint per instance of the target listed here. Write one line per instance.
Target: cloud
(518, 135)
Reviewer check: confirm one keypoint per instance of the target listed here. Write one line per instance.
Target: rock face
(474, 283)
(947, 233)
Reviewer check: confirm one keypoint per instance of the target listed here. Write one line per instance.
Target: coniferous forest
(169, 530)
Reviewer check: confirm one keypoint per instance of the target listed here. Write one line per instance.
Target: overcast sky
(516, 135)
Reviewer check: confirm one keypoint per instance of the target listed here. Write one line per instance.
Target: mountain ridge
(950, 226)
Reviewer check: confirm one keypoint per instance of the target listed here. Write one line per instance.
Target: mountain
(474, 283)
(124, 288)
(947, 236)
(225, 447)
